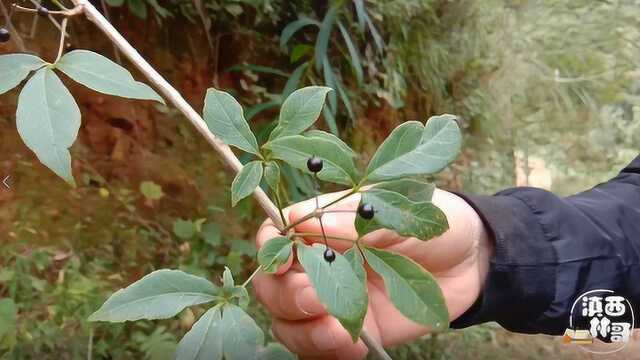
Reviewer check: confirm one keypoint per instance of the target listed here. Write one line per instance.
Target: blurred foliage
(531, 79)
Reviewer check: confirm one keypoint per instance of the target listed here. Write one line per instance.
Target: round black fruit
(5, 35)
(314, 164)
(43, 11)
(366, 211)
(329, 255)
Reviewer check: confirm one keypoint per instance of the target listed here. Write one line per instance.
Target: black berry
(5, 35)
(43, 11)
(366, 211)
(314, 164)
(329, 255)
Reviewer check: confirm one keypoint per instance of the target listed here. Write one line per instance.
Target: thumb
(267, 232)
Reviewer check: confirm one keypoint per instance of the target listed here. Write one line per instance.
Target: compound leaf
(412, 289)
(274, 253)
(337, 286)
(247, 180)
(394, 211)
(159, 295)
(338, 166)
(204, 340)
(48, 120)
(439, 145)
(15, 67)
(223, 115)
(103, 75)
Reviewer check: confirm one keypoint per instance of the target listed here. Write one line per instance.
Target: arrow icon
(6, 181)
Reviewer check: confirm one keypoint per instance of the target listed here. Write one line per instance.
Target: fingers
(289, 296)
(321, 338)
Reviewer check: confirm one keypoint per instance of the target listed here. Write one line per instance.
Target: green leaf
(8, 320)
(412, 289)
(334, 139)
(103, 75)
(361, 12)
(330, 81)
(223, 115)
(439, 145)
(272, 175)
(377, 39)
(300, 110)
(259, 69)
(246, 181)
(274, 253)
(346, 101)
(337, 286)
(412, 189)
(403, 139)
(227, 280)
(393, 211)
(293, 28)
(322, 42)
(15, 67)
(151, 190)
(242, 338)
(330, 119)
(204, 340)
(256, 109)
(355, 259)
(48, 120)
(138, 8)
(211, 234)
(275, 351)
(294, 80)
(353, 53)
(299, 51)
(295, 150)
(184, 229)
(159, 295)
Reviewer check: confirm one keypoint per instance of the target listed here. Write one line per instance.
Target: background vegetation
(548, 91)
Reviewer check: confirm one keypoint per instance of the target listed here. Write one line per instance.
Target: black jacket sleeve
(549, 250)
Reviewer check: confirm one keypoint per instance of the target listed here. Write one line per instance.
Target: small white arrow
(5, 181)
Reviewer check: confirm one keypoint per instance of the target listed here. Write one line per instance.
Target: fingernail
(323, 339)
(307, 302)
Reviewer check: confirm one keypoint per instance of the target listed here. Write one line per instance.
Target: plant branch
(196, 120)
(62, 32)
(174, 97)
(253, 274)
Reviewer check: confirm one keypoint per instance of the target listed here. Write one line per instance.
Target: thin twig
(196, 120)
(62, 32)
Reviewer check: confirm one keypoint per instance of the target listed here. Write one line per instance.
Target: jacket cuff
(521, 270)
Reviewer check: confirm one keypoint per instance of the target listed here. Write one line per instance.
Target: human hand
(458, 259)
